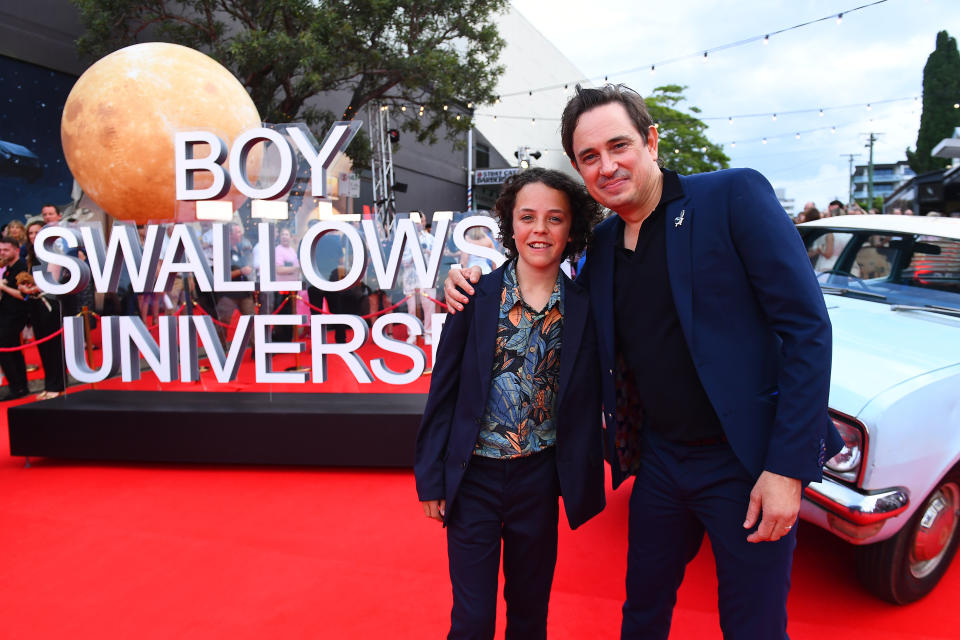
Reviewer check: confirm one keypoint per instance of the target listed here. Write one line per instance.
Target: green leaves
(684, 146)
(941, 90)
(323, 60)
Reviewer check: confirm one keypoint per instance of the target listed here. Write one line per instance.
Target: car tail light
(846, 464)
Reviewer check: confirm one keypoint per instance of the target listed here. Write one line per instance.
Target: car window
(935, 264)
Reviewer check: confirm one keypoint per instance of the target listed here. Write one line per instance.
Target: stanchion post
(88, 342)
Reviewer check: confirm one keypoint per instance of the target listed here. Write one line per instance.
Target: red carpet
(151, 551)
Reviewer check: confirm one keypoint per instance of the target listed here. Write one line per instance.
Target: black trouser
(513, 502)
(46, 322)
(14, 367)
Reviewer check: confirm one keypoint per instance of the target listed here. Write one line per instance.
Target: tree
(941, 89)
(684, 146)
(425, 57)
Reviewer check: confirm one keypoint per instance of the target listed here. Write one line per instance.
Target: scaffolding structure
(381, 164)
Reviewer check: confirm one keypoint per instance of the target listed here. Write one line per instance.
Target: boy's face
(541, 225)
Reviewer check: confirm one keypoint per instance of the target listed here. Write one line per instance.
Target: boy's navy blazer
(753, 317)
(458, 397)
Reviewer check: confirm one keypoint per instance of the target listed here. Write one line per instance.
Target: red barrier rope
(434, 300)
(366, 317)
(280, 306)
(34, 343)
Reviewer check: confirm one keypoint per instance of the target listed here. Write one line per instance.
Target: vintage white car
(892, 288)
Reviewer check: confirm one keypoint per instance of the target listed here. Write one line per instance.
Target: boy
(513, 417)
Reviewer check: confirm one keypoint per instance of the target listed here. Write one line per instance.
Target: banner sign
(153, 266)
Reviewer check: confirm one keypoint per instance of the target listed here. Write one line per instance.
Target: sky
(874, 56)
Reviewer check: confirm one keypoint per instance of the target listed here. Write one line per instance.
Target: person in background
(16, 230)
(13, 318)
(44, 315)
(288, 268)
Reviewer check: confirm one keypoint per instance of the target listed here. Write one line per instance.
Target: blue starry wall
(33, 170)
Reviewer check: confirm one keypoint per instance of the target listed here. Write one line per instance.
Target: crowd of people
(28, 314)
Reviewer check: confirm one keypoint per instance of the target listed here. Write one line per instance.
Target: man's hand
(435, 509)
(778, 498)
(460, 278)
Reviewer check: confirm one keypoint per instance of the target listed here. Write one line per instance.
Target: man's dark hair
(586, 99)
(835, 203)
(584, 210)
(9, 240)
(811, 214)
(55, 207)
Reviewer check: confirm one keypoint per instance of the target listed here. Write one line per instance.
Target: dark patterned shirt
(519, 419)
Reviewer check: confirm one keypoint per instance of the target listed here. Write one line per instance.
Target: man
(13, 317)
(50, 214)
(241, 268)
(835, 208)
(716, 398)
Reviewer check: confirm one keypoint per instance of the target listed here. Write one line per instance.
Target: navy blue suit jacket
(458, 397)
(753, 317)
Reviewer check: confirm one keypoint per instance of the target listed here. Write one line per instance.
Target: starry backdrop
(33, 171)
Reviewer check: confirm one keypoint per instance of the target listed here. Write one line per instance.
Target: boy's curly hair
(584, 210)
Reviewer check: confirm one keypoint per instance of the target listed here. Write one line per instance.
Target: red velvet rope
(34, 343)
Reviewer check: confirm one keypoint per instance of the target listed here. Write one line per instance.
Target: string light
(403, 107)
(821, 113)
(764, 141)
(774, 117)
(676, 150)
(703, 149)
(733, 144)
(458, 116)
(833, 129)
(765, 37)
(869, 107)
(797, 136)
(730, 120)
(469, 105)
(444, 107)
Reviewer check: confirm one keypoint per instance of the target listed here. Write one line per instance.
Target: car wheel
(907, 566)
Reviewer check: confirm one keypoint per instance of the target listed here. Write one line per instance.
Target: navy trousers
(681, 492)
(514, 501)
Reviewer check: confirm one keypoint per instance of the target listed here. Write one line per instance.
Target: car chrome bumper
(854, 514)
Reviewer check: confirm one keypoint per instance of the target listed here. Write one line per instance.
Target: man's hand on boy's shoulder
(464, 279)
(435, 509)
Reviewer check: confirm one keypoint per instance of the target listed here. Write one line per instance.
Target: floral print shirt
(520, 416)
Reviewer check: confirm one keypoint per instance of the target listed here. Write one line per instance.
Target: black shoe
(14, 395)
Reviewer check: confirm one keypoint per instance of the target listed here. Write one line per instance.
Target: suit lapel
(679, 232)
(575, 305)
(486, 321)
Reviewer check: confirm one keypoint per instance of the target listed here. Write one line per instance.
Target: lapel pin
(679, 219)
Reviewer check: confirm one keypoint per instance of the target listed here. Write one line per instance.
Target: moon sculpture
(120, 119)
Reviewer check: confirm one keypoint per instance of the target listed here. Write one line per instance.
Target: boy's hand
(435, 509)
(460, 278)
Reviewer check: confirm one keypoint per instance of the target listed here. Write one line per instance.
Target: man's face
(49, 215)
(236, 234)
(8, 253)
(618, 168)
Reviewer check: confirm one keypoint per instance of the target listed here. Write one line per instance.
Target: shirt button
(532, 349)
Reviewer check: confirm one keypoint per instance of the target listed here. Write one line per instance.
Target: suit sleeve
(787, 291)
(435, 425)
